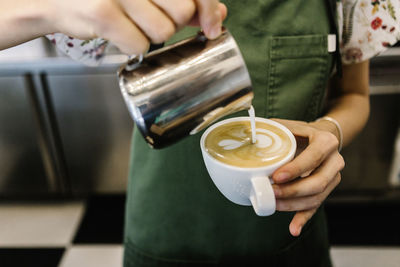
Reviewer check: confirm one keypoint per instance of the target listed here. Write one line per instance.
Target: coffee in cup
(231, 144)
(240, 168)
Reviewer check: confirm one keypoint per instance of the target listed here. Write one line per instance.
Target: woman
(176, 217)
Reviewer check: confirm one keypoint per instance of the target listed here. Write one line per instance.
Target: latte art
(231, 143)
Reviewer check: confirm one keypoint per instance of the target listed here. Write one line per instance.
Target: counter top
(40, 56)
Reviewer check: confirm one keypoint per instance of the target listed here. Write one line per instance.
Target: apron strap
(334, 30)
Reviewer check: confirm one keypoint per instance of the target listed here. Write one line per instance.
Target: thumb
(298, 128)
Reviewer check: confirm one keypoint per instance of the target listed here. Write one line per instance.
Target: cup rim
(285, 160)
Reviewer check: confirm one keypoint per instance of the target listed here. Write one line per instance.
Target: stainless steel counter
(65, 129)
(385, 73)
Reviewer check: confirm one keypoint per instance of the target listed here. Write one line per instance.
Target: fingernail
(306, 174)
(299, 232)
(293, 231)
(282, 176)
(215, 32)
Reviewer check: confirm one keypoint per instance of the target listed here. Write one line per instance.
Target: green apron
(175, 216)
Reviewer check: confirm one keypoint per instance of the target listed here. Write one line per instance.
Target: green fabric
(175, 215)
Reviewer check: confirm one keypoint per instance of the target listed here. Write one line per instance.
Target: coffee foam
(231, 143)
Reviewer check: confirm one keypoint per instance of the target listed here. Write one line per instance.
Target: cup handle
(262, 196)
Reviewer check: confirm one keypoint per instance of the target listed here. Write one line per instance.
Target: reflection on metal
(180, 89)
(385, 89)
(47, 133)
(65, 129)
(22, 170)
(95, 130)
(41, 134)
(385, 73)
(54, 137)
(394, 176)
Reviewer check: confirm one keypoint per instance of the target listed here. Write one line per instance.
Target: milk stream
(253, 125)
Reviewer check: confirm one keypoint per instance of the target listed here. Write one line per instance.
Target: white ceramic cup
(246, 186)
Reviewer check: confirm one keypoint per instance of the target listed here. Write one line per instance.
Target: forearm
(21, 21)
(350, 107)
(351, 111)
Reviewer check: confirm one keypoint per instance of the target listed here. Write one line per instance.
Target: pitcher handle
(134, 62)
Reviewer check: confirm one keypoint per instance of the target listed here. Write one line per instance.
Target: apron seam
(323, 77)
(314, 107)
(271, 81)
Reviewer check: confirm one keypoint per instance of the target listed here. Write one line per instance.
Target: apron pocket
(298, 73)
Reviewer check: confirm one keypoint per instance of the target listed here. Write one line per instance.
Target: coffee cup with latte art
(240, 169)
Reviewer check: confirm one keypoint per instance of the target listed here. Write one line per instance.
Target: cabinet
(95, 130)
(64, 128)
(21, 166)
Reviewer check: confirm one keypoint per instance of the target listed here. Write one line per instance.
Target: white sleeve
(368, 28)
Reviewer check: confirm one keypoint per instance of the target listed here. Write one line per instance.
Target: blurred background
(64, 151)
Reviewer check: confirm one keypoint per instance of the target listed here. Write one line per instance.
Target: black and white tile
(62, 233)
(89, 233)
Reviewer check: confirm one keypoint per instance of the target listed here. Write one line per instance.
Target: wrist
(331, 125)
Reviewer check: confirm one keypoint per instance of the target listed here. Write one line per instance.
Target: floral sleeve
(369, 27)
(89, 52)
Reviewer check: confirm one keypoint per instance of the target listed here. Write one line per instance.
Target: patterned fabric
(366, 28)
(89, 52)
(369, 27)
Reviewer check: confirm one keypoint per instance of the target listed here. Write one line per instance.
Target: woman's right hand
(132, 24)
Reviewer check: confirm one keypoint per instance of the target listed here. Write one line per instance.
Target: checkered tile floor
(62, 233)
(89, 233)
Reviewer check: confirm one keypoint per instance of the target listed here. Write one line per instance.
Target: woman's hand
(130, 24)
(304, 183)
(133, 24)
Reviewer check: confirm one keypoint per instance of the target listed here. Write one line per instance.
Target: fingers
(180, 11)
(299, 220)
(154, 23)
(321, 144)
(210, 17)
(132, 24)
(307, 202)
(314, 184)
(119, 29)
(321, 160)
(222, 8)
(298, 128)
(158, 20)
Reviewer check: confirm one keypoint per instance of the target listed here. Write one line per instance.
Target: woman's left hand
(304, 183)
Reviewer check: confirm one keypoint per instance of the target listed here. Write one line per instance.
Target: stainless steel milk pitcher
(180, 89)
